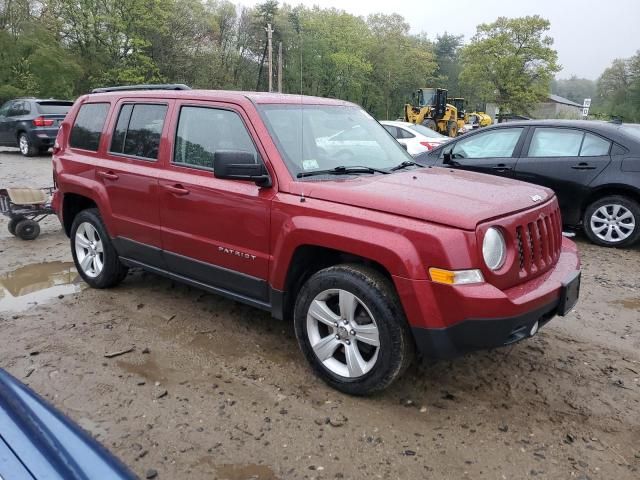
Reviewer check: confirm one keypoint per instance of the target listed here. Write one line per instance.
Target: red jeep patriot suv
(308, 208)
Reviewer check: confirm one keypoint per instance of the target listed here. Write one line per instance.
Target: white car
(417, 138)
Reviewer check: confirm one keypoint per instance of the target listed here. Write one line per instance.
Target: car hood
(449, 197)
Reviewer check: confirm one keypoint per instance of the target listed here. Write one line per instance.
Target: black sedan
(31, 124)
(593, 167)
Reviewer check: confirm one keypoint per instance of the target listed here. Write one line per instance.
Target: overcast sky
(588, 34)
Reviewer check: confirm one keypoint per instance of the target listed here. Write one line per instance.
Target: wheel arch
(308, 259)
(72, 204)
(609, 190)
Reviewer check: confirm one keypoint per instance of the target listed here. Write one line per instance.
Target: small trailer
(25, 207)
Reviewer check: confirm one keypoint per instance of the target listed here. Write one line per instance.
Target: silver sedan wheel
(343, 333)
(612, 223)
(23, 143)
(89, 250)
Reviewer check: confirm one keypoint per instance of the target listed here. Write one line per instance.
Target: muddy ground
(215, 389)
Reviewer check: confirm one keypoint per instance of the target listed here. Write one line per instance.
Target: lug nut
(352, 332)
(348, 342)
(337, 337)
(335, 324)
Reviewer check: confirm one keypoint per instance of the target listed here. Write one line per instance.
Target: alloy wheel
(343, 333)
(612, 223)
(23, 143)
(89, 250)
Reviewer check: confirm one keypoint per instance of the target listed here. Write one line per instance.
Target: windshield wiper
(405, 164)
(342, 170)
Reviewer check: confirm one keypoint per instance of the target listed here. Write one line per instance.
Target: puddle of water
(245, 472)
(37, 283)
(629, 303)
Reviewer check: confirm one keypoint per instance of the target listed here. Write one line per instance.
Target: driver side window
(499, 143)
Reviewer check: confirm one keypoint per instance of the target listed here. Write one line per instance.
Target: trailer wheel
(13, 223)
(28, 229)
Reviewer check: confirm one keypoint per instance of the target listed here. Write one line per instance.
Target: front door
(493, 151)
(566, 160)
(214, 231)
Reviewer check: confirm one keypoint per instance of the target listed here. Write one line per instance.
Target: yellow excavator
(479, 119)
(431, 109)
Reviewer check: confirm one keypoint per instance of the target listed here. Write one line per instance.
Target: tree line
(64, 48)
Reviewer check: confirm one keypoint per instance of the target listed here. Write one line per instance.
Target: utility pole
(280, 67)
(269, 47)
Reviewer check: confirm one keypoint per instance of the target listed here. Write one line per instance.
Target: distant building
(555, 106)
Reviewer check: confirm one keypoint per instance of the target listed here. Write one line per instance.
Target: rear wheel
(13, 223)
(352, 330)
(93, 254)
(27, 229)
(26, 147)
(613, 221)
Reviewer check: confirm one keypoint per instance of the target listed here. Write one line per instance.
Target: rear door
(215, 231)
(492, 151)
(566, 160)
(129, 170)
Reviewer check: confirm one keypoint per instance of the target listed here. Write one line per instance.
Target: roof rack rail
(160, 86)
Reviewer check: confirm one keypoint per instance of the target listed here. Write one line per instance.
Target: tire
(93, 253)
(613, 221)
(13, 223)
(27, 229)
(430, 123)
(377, 316)
(452, 129)
(26, 147)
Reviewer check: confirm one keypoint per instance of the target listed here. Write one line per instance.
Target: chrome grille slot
(538, 243)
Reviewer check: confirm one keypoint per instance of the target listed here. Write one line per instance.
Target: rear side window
(555, 142)
(138, 130)
(202, 131)
(87, 128)
(594, 146)
(48, 108)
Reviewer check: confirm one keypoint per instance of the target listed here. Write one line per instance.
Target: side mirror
(446, 157)
(404, 145)
(240, 165)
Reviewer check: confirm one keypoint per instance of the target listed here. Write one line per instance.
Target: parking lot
(211, 388)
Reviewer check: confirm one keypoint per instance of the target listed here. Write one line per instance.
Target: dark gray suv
(31, 124)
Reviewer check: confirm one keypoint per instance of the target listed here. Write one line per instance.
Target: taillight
(429, 145)
(42, 122)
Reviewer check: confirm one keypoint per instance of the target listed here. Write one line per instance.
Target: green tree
(574, 88)
(619, 90)
(447, 52)
(510, 62)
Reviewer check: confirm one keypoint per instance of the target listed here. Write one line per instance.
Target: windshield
(322, 137)
(426, 131)
(54, 107)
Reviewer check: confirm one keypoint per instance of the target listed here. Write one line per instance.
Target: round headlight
(494, 249)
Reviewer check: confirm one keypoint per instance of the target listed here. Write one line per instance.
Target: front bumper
(451, 320)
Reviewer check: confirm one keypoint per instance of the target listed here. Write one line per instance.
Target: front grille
(538, 242)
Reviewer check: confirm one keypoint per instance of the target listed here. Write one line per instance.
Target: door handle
(501, 167)
(583, 166)
(108, 175)
(177, 189)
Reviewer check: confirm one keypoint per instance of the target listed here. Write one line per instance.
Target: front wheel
(352, 330)
(95, 258)
(613, 221)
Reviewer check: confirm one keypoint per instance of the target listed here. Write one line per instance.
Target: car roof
(595, 125)
(396, 123)
(228, 95)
